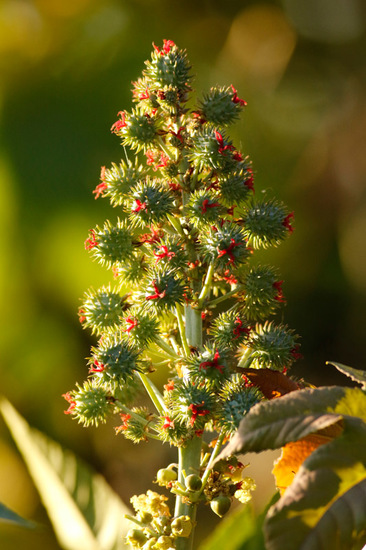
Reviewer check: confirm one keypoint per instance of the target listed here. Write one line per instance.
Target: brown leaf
(272, 383)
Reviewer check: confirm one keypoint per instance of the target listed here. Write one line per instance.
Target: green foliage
(9, 516)
(86, 514)
(323, 507)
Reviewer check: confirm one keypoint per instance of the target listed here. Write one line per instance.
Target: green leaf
(272, 424)
(325, 505)
(8, 515)
(233, 531)
(85, 512)
(357, 375)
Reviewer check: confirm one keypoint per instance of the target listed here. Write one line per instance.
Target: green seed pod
(220, 505)
(165, 476)
(193, 482)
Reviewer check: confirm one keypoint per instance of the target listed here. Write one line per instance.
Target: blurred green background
(66, 68)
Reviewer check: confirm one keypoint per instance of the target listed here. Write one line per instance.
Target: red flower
(71, 401)
(91, 242)
(207, 204)
(132, 324)
(178, 134)
(286, 222)
(239, 329)
(236, 99)
(153, 237)
(119, 124)
(158, 294)
(196, 411)
(124, 426)
(229, 277)
(214, 363)
(99, 367)
(167, 46)
(139, 206)
(295, 353)
(229, 251)
(169, 386)
(150, 157)
(100, 188)
(168, 423)
(163, 254)
(279, 296)
(250, 181)
(81, 314)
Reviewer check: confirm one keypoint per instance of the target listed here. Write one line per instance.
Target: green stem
(214, 454)
(206, 285)
(153, 392)
(182, 330)
(193, 326)
(246, 359)
(175, 223)
(164, 346)
(220, 299)
(189, 463)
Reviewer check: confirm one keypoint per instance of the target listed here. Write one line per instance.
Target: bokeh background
(66, 68)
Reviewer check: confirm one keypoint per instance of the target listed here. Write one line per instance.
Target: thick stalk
(189, 463)
(190, 454)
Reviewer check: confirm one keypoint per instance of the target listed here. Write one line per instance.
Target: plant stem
(182, 330)
(153, 392)
(193, 326)
(214, 454)
(206, 286)
(220, 299)
(189, 463)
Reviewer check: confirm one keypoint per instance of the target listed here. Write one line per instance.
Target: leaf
(272, 424)
(9, 516)
(272, 383)
(292, 456)
(236, 528)
(325, 507)
(85, 512)
(357, 375)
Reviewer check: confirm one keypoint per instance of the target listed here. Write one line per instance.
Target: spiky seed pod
(229, 330)
(212, 151)
(115, 361)
(164, 291)
(221, 106)
(236, 187)
(169, 66)
(209, 368)
(150, 203)
(191, 405)
(267, 223)
(236, 400)
(263, 293)
(144, 95)
(172, 430)
(226, 245)
(170, 254)
(140, 328)
(120, 179)
(132, 270)
(101, 309)
(204, 209)
(114, 244)
(90, 403)
(169, 99)
(138, 130)
(273, 346)
(134, 428)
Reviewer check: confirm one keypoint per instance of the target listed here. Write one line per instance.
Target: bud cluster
(182, 246)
